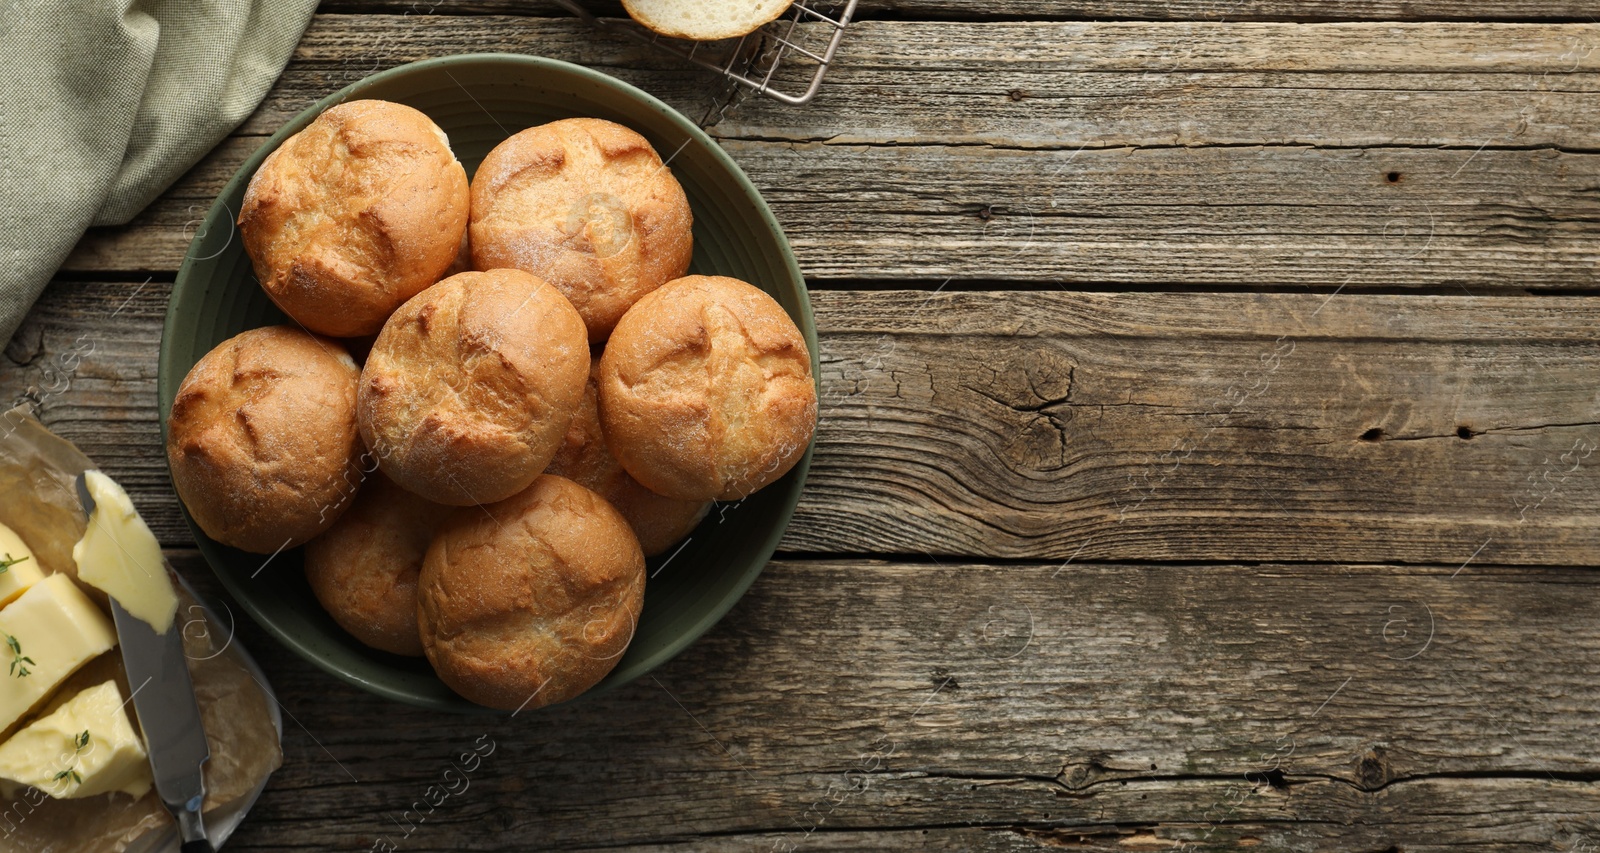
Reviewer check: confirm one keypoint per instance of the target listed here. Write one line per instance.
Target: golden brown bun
(705, 20)
(364, 569)
(586, 205)
(471, 385)
(660, 522)
(706, 390)
(262, 438)
(532, 600)
(354, 215)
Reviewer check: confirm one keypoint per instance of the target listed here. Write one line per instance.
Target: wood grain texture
(1298, 568)
(1197, 10)
(1283, 569)
(1157, 426)
(1267, 216)
(1067, 85)
(1366, 155)
(1073, 85)
(1374, 427)
(1256, 216)
(896, 706)
(1242, 10)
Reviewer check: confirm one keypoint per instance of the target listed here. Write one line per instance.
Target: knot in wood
(1080, 775)
(1372, 770)
(1035, 382)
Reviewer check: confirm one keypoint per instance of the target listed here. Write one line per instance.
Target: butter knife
(169, 714)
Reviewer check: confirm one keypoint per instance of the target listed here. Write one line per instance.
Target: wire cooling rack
(801, 45)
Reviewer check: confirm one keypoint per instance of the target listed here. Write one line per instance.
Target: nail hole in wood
(1274, 778)
(1393, 177)
(1374, 434)
(1464, 432)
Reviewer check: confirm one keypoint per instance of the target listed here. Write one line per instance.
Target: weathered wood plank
(1131, 426)
(1197, 10)
(1274, 216)
(1245, 10)
(1057, 85)
(1436, 816)
(1213, 216)
(1048, 84)
(1192, 426)
(1490, 220)
(337, 50)
(1490, 188)
(1305, 707)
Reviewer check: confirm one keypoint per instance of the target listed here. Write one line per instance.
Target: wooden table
(1211, 391)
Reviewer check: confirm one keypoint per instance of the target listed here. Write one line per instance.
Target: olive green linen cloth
(103, 103)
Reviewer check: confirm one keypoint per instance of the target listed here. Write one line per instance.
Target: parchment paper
(37, 500)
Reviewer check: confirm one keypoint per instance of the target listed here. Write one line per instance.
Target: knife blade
(169, 714)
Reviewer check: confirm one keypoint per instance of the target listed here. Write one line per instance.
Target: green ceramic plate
(480, 99)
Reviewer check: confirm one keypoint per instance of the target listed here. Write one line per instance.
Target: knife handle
(197, 846)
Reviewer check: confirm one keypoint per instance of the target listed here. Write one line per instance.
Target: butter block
(48, 632)
(119, 556)
(19, 569)
(86, 748)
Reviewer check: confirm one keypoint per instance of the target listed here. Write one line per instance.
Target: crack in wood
(839, 140)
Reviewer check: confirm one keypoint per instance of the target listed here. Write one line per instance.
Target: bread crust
(739, 17)
(587, 205)
(262, 438)
(355, 214)
(706, 390)
(659, 521)
(470, 387)
(531, 601)
(364, 570)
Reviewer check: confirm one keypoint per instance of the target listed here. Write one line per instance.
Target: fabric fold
(104, 103)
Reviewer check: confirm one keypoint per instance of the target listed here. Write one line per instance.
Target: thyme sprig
(19, 663)
(80, 742)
